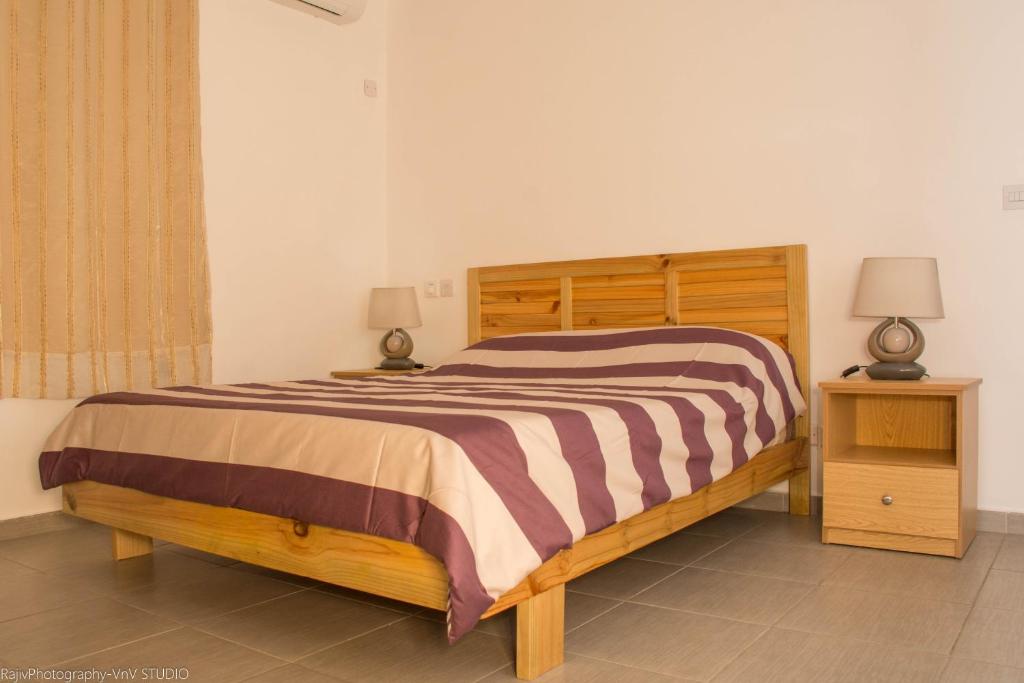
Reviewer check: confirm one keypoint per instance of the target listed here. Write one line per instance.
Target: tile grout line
(347, 640)
(864, 641)
(680, 568)
(594, 618)
(685, 611)
(739, 654)
(308, 654)
(974, 603)
(634, 668)
(219, 614)
(71, 603)
(691, 563)
(114, 647)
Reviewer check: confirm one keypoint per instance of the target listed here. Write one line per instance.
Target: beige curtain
(103, 270)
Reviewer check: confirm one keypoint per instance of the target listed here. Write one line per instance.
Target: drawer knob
(886, 500)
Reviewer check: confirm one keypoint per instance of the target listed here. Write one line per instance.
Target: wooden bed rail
(391, 568)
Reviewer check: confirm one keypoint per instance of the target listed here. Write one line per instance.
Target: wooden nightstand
(372, 372)
(901, 463)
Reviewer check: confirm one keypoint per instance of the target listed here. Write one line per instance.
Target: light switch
(447, 288)
(430, 289)
(1013, 197)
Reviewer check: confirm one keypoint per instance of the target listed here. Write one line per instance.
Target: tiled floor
(743, 596)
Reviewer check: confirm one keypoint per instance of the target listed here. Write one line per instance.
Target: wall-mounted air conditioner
(335, 11)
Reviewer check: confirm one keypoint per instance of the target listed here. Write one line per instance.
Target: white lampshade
(903, 287)
(392, 307)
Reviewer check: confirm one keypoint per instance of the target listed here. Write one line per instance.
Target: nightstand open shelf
(897, 455)
(900, 463)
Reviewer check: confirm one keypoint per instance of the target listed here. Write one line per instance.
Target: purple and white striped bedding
(510, 451)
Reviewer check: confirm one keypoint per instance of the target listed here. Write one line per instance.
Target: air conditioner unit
(339, 11)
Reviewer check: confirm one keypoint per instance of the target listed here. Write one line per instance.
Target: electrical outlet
(447, 288)
(370, 87)
(816, 435)
(430, 289)
(1013, 197)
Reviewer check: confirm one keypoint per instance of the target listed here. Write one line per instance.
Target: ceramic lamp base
(397, 364)
(896, 371)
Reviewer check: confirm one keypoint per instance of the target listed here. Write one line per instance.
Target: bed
(240, 470)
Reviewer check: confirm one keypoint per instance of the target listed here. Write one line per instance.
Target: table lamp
(392, 309)
(898, 289)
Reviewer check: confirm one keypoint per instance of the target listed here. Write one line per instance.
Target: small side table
(372, 372)
(901, 463)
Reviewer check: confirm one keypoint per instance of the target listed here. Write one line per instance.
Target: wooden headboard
(762, 291)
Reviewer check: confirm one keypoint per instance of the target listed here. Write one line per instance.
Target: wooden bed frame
(762, 290)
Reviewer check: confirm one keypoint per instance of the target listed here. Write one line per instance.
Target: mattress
(492, 462)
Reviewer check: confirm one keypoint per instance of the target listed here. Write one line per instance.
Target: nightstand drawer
(916, 501)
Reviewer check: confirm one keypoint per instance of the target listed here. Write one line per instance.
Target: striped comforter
(492, 462)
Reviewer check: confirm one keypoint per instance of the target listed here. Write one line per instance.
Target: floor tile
(58, 548)
(680, 548)
(219, 592)
(782, 655)
(293, 579)
(989, 520)
(728, 524)
(754, 599)
(579, 669)
(292, 673)
(580, 608)
(1011, 555)
(780, 527)
(796, 563)
(923, 576)
(9, 569)
(984, 548)
(105, 575)
(413, 650)
(993, 635)
(75, 630)
(298, 625)
(1004, 590)
(896, 620)
(218, 560)
(26, 594)
(206, 658)
(622, 579)
(664, 641)
(970, 671)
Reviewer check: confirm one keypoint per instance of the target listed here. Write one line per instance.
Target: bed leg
(800, 492)
(540, 633)
(128, 544)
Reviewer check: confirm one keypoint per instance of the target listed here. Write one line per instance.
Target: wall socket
(444, 287)
(1013, 197)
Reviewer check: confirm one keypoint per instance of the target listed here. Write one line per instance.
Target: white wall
(294, 171)
(525, 131)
